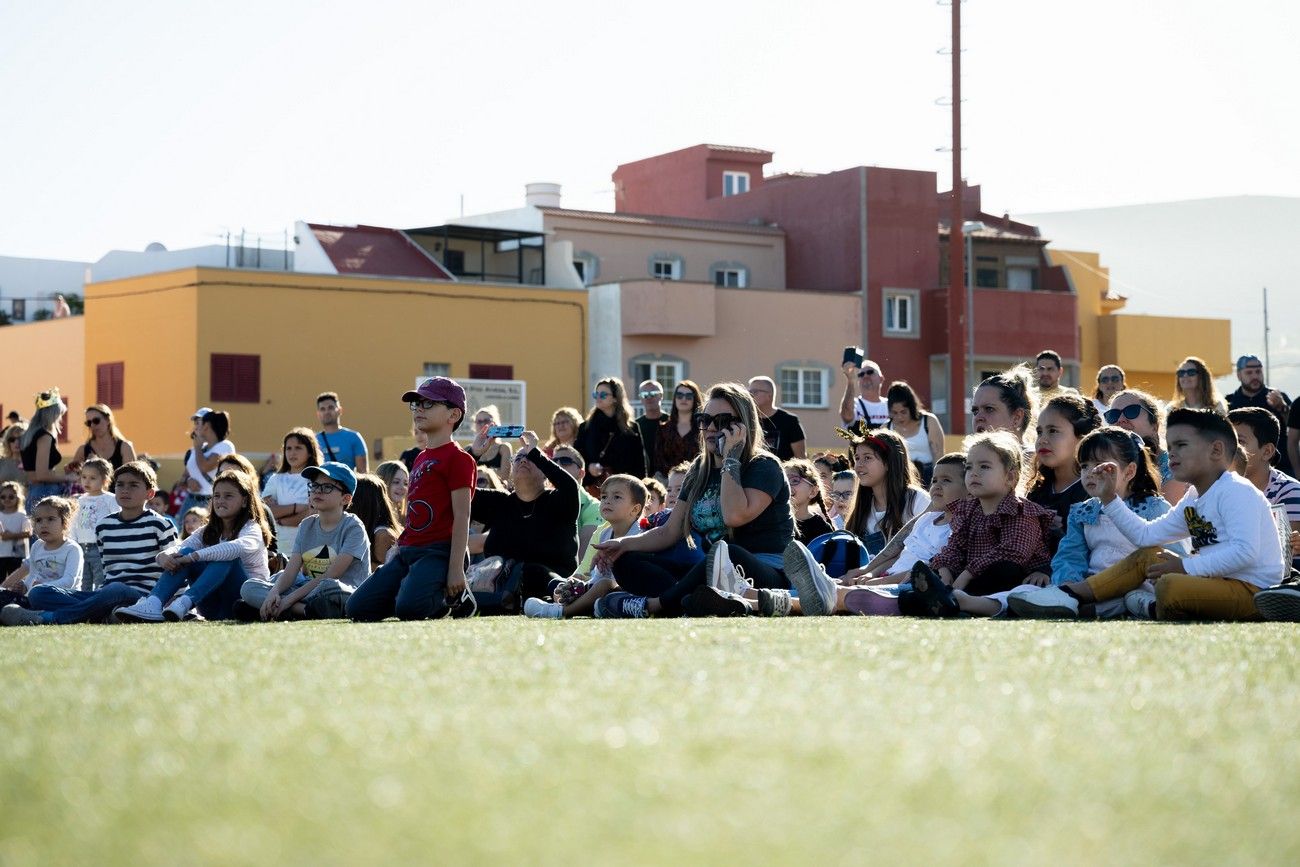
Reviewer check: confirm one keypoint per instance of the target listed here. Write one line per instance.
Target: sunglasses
(314, 488)
(565, 461)
(842, 496)
(867, 372)
(600, 395)
(1188, 374)
(91, 422)
(683, 395)
(721, 421)
(1129, 412)
(1106, 380)
(651, 395)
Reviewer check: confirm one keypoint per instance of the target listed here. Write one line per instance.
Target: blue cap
(341, 473)
(1247, 359)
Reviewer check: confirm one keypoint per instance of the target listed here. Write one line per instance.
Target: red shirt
(1016, 532)
(435, 473)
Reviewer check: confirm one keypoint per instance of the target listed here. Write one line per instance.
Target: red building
(880, 233)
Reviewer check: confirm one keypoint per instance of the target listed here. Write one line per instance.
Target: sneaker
(16, 615)
(179, 609)
(872, 602)
(534, 607)
(816, 589)
(1141, 604)
(929, 595)
(1278, 603)
(711, 602)
(619, 604)
(242, 612)
(1045, 603)
(146, 610)
(725, 575)
(774, 603)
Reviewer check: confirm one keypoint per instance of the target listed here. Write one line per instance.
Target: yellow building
(1148, 348)
(261, 345)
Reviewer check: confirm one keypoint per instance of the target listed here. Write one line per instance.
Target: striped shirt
(130, 547)
(1282, 490)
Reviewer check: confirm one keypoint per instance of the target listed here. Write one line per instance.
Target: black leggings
(1000, 576)
(537, 580)
(654, 576)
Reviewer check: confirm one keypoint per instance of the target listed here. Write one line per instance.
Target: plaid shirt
(1016, 532)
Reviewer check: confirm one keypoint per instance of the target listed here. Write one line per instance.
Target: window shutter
(491, 371)
(110, 384)
(236, 378)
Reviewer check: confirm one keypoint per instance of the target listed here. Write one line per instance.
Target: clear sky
(129, 122)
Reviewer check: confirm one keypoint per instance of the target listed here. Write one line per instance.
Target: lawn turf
(818, 741)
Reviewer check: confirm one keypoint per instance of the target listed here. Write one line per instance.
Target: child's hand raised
(1103, 479)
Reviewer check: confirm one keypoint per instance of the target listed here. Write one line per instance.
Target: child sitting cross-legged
(622, 501)
(1235, 543)
(330, 552)
(54, 561)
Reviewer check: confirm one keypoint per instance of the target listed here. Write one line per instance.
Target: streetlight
(967, 229)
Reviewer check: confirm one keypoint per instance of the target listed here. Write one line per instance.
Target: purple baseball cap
(438, 388)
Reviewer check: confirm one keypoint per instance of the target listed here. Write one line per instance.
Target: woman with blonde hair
(40, 449)
(564, 429)
(489, 451)
(104, 440)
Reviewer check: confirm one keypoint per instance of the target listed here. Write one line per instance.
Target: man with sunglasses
(782, 430)
(869, 404)
(652, 396)
(1253, 392)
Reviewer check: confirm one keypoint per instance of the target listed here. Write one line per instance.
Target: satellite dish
(155, 247)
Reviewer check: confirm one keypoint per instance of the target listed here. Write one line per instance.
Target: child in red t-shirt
(427, 574)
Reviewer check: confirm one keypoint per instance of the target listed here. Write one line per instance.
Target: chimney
(542, 195)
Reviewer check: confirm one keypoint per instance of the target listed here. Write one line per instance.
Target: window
(902, 307)
(667, 372)
(733, 275)
(20, 310)
(666, 267)
(587, 266)
(491, 371)
(986, 278)
(802, 385)
(236, 378)
(108, 384)
(437, 368)
(455, 261)
(735, 183)
(1021, 278)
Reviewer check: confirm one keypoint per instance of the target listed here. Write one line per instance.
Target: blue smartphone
(506, 431)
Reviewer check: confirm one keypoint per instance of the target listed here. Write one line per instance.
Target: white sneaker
(1045, 603)
(1140, 604)
(146, 610)
(806, 573)
(534, 607)
(179, 609)
(724, 575)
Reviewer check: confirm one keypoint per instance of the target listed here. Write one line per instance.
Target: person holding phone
(868, 404)
(736, 498)
(488, 450)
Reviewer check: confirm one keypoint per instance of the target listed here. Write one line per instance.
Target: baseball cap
(1248, 359)
(438, 388)
(341, 473)
(201, 412)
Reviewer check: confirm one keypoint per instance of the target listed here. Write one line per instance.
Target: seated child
(54, 561)
(330, 552)
(655, 494)
(1236, 550)
(129, 540)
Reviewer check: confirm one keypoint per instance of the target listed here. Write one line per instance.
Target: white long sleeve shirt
(1230, 525)
(247, 547)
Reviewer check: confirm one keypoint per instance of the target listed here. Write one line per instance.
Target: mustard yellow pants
(1178, 596)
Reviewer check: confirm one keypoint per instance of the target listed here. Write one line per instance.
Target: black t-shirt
(29, 453)
(543, 531)
(1293, 420)
(782, 430)
(649, 428)
(771, 531)
(1060, 503)
(812, 527)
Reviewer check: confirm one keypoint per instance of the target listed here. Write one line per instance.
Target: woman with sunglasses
(737, 499)
(103, 439)
(11, 455)
(608, 440)
(1142, 414)
(1194, 387)
(1110, 382)
(489, 451)
(679, 440)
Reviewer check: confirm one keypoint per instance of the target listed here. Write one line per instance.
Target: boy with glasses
(868, 404)
(427, 574)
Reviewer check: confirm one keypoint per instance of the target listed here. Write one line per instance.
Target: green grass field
(826, 741)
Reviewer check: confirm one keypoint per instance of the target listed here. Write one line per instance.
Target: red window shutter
(491, 371)
(236, 378)
(109, 384)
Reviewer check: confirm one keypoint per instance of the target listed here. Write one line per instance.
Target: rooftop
(659, 220)
(376, 251)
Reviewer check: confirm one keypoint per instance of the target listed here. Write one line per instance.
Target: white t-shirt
(917, 502)
(225, 447)
(925, 541)
(288, 489)
(91, 509)
(60, 567)
(14, 522)
(876, 412)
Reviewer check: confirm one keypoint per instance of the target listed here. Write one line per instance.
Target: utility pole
(1268, 377)
(957, 349)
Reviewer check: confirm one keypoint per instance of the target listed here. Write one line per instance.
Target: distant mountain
(1202, 257)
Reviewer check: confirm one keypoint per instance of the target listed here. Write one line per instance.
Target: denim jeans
(255, 590)
(41, 490)
(82, 606)
(92, 573)
(412, 585)
(213, 587)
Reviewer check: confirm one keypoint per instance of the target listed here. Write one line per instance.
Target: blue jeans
(41, 490)
(214, 587)
(92, 574)
(411, 586)
(82, 606)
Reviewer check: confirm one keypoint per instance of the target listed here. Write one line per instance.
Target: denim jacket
(1071, 562)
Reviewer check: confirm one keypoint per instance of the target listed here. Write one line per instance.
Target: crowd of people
(1061, 505)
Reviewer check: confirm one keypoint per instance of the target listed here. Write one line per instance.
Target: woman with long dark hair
(919, 428)
(679, 439)
(1194, 387)
(608, 440)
